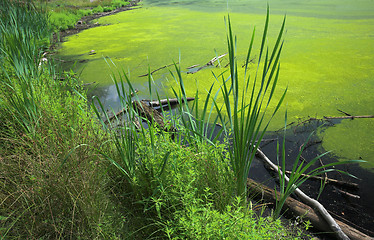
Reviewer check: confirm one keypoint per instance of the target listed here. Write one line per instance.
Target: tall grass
(24, 34)
(245, 103)
(246, 123)
(242, 114)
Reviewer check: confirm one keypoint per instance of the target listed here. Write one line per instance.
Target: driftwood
(149, 113)
(152, 115)
(312, 202)
(210, 63)
(346, 194)
(296, 208)
(87, 84)
(144, 75)
(193, 66)
(330, 180)
(350, 117)
(172, 101)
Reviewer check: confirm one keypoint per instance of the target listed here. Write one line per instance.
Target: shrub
(98, 9)
(119, 3)
(63, 20)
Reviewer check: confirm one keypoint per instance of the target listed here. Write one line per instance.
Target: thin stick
(144, 75)
(350, 117)
(329, 180)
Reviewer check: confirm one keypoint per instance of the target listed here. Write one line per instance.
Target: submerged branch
(350, 117)
(329, 180)
(144, 75)
(312, 202)
(263, 193)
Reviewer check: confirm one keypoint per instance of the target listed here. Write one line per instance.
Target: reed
(24, 34)
(246, 123)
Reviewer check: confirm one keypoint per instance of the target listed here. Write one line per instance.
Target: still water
(327, 61)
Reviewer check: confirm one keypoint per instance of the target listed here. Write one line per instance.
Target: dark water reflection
(357, 212)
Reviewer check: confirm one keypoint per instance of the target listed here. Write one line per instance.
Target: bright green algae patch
(327, 62)
(347, 140)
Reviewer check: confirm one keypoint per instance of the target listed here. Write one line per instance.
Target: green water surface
(327, 62)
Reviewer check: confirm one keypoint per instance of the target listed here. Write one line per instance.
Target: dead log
(259, 191)
(152, 116)
(149, 113)
(310, 201)
(330, 180)
(87, 84)
(172, 101)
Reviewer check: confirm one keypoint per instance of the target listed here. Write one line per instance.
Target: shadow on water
(355, 208)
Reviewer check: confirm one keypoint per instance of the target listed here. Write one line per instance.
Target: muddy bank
(87, 22)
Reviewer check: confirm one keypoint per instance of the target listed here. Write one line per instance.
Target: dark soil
(87, 22)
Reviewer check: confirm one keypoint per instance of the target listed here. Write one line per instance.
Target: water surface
(327, 62)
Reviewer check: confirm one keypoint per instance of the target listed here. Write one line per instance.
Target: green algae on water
(327, 62)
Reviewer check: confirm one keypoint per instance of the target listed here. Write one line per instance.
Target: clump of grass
(44, 193)
(65, 14)
(245, 103)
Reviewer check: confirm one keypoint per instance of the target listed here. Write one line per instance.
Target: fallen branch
(144, 75)
(87, 84)
(329, 180)
(152, 115)
(261, 192)
(172, 101)
(210, 63)
(312, 202)
(350, 117)
(193, 66)
(347, 194)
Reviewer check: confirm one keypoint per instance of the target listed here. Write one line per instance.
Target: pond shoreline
(86, 23)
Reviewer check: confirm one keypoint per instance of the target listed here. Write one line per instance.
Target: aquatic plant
(242, 115)
(246, 125)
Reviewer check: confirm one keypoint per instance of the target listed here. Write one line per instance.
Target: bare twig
(144, 75)
(350, 117)
(329, 180)
(210, 63)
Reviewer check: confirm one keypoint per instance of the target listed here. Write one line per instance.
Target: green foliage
(23, 34)
(246, 124)
(201, 221)
(108, 9)
(46, 198)
(98, 9)
(84, 12)
(64, 20)
(243, 112)
(64, 176)
(119, 3)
